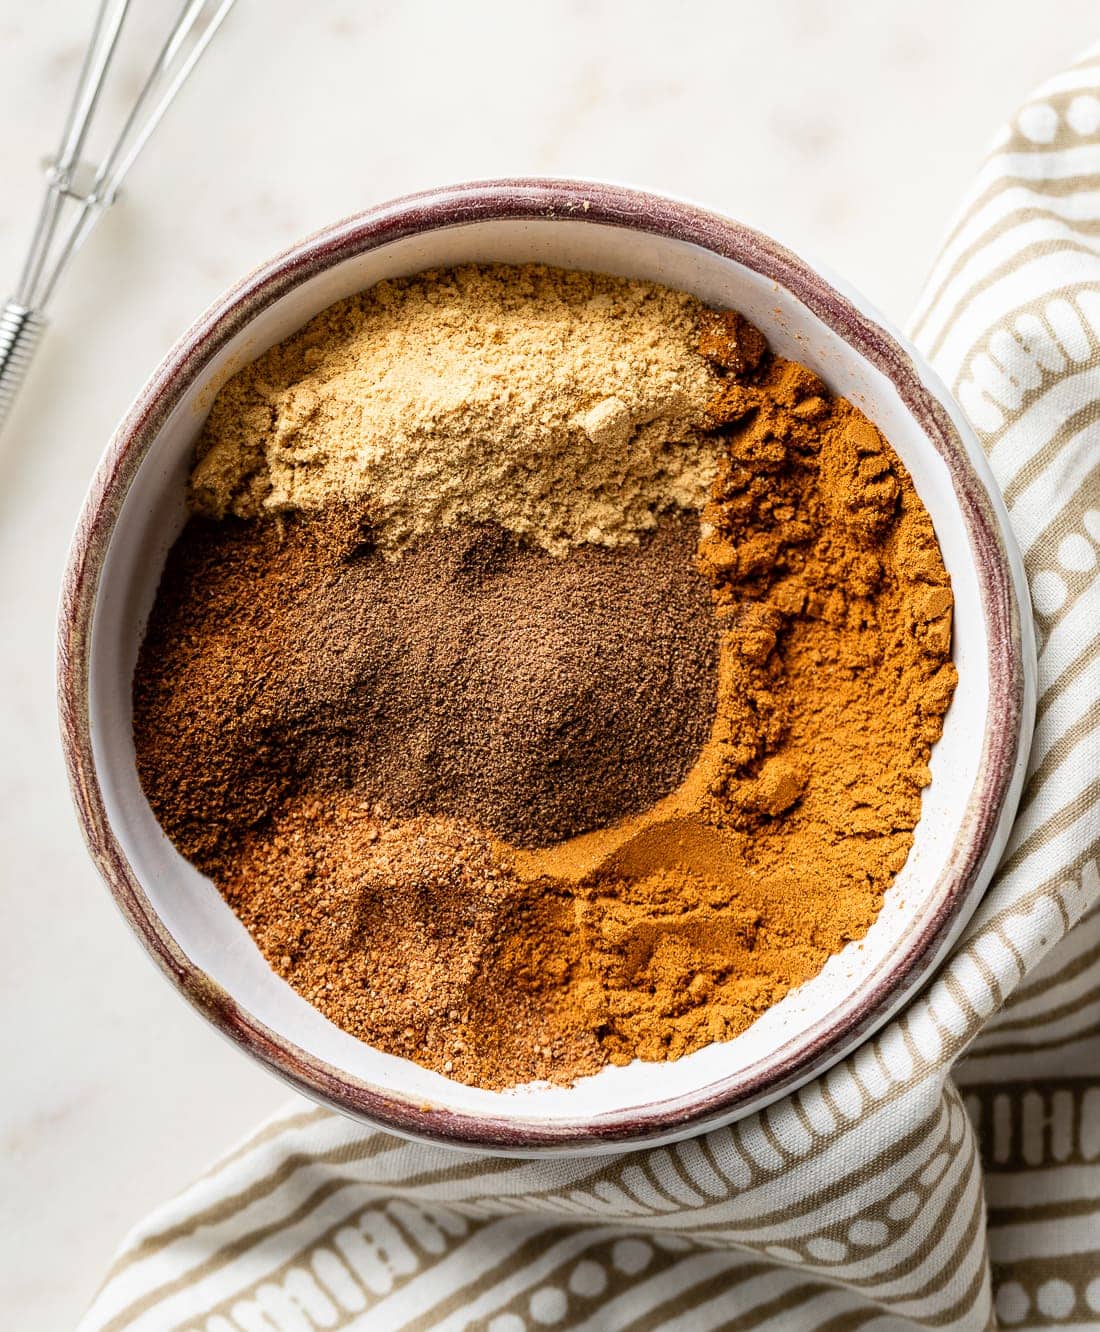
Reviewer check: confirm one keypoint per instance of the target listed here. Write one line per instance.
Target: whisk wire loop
(77, 192)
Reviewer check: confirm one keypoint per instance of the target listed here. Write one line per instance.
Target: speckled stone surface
(105, 1112)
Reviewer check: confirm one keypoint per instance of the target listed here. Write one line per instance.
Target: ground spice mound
(477, 678)
(812, 603)
(827, 576)
(400, 936)
(562, 406)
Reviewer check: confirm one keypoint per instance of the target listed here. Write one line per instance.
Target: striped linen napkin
(946, 1175)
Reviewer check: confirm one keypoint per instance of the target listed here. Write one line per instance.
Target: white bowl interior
(153, 513)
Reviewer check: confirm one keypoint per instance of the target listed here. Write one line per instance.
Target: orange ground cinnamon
(430, 937)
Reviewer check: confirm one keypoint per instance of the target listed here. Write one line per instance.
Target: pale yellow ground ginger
(566, 407)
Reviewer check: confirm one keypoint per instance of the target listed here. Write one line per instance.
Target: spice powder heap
(563, 406)
(476, 678)
(517, 806)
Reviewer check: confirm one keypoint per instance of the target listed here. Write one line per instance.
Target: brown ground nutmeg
(476, 678)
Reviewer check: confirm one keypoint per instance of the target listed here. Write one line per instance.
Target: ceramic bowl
(135, 510)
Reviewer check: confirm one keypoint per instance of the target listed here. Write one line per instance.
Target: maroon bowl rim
(533, 199)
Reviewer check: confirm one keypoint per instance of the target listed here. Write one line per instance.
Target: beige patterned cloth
(947, 1174)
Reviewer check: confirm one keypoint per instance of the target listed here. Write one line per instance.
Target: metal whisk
(79, 192)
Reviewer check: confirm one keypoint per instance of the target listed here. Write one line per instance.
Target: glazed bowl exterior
(136, 508)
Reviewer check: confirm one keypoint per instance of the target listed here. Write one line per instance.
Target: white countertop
(848, 129)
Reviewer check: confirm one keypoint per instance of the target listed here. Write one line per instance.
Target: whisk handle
(20, 332)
